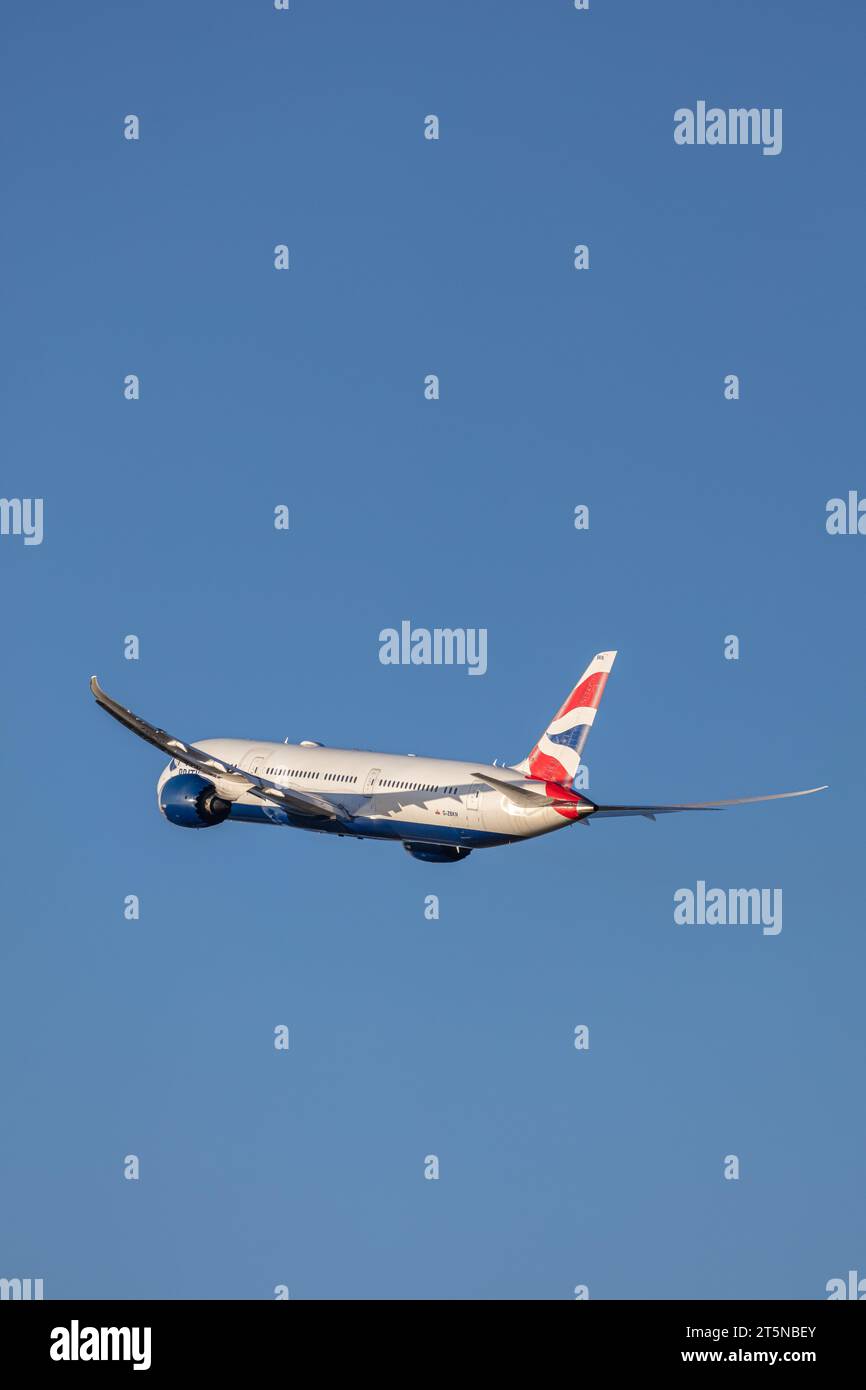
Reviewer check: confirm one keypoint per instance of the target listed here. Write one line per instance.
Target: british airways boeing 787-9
(439, 809)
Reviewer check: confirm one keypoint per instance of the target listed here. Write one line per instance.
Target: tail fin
(556, 755)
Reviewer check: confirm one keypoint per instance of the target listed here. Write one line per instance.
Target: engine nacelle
(436, 854)
(192, 801)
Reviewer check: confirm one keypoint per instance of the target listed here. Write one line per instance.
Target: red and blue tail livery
(556, 755)
(439, 809)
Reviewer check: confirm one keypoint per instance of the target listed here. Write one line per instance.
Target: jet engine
(192, 801)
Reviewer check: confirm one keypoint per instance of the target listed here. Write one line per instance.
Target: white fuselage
(425, 801)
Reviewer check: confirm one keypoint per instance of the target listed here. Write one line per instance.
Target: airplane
(439, 810)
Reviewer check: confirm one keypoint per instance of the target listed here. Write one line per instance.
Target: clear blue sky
(409, 257)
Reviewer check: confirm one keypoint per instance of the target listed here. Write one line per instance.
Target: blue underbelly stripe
(373, 827)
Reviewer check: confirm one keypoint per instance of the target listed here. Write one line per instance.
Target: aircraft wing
(652, 811)
(299, 801)
(523, 795)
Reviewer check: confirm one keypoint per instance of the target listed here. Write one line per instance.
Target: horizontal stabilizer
(526, 793)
